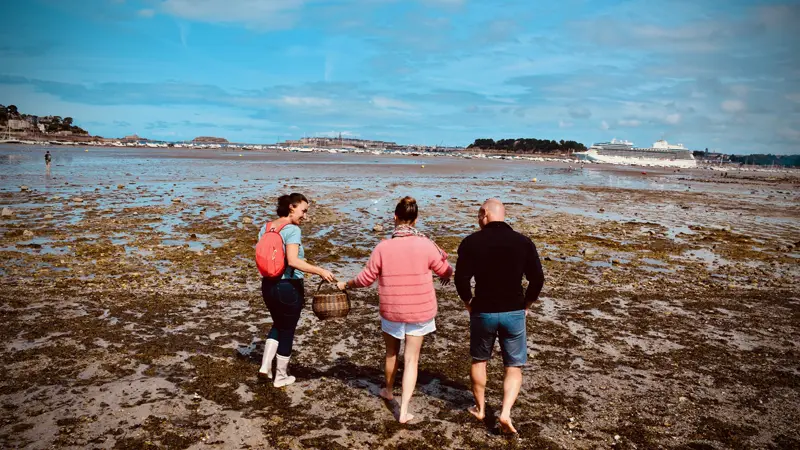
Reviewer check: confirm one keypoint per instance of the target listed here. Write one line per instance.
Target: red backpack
(271, 252)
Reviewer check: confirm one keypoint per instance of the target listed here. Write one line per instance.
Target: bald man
(497, 257)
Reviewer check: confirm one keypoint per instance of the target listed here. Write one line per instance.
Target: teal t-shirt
(291, 234)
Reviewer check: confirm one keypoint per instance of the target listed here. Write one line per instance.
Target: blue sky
(707, 73)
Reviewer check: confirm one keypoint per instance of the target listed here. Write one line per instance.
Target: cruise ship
(661, 153)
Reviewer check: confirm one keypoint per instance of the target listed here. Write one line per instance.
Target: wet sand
(132, 318)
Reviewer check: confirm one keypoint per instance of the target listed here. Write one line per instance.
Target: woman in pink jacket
(402, 265)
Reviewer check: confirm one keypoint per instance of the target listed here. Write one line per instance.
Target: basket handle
(319, 286)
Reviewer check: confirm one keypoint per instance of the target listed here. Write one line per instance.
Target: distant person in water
(285, 297)
(402, 265)
(47, 160)
(497, 257)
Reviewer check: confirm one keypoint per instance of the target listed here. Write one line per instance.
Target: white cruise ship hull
(594, 156)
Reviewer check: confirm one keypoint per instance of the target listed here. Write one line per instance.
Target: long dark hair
(286, 201)
(406, 210)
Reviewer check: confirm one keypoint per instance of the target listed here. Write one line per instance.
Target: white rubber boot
(282, 377)
(270, 348)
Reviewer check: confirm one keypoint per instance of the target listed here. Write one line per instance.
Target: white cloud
(790, 133)
(563, 124)
(733, 106)
(580, 112)
(629, 123)
(336, 134)
(147, 13)
(253, 13)
(604, 125)
(390, 103)
(673, 119)
(306, 101)
(740, 89)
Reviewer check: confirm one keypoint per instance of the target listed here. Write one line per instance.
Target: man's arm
(464, 273)
(535, 276)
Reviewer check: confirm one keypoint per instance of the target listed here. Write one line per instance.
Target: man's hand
(528, 309)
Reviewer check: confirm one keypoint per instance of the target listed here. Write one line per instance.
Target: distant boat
(661, 153)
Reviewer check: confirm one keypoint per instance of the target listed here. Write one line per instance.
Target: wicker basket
(330, 306)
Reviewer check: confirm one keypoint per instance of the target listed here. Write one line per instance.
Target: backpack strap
(269, 227)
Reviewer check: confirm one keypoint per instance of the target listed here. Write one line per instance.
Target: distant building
(17, 124)
(340, 142)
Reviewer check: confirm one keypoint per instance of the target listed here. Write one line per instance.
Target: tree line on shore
(45, 124)
(528, 145)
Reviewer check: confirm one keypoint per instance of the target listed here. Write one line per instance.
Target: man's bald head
(492, 210)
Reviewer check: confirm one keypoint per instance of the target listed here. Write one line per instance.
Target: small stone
(601, 210)
(533, 180)
(27, 234)
(617, 437)
(120, 186)
(7, 212)
(77, 200)
(683, 399)
(176, 200)
(377, 228)
(589, 252)
(48, 216)
(24, 188)
(247, 220)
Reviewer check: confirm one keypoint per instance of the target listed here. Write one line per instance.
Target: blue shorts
(509, 326)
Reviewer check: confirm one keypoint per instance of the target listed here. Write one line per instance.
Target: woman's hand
(341, 285)
(326, 275)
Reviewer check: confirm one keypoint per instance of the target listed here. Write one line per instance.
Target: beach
(133, 318)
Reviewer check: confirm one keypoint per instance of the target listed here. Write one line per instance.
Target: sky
(722, 75)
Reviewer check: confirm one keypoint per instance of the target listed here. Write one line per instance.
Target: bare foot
(506, 426)
(474, 411)
(405, 419)
(386, 394)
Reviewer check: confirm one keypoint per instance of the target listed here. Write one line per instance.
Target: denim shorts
(509, 327)
(399, 330)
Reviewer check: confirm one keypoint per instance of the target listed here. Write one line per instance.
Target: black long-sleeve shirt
(498, 257)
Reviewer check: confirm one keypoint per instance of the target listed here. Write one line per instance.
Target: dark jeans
(284, 300)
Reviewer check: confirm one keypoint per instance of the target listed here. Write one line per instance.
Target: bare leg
(478, 375)
(390, 368)
(511, 385)
(411, 360)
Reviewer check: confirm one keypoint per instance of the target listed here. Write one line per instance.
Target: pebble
(7, 212)
(120, 186)
(77, 200)
(48, 216)
(247, 220)
(378, 228)
(683, 399)
(589, 252)
(27, 234)
(24, 188)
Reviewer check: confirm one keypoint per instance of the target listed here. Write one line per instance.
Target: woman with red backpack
(279, 257)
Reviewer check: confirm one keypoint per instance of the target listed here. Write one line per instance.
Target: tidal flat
(132, 315)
